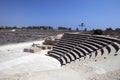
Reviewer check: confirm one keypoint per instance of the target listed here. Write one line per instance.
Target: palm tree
(81, 25)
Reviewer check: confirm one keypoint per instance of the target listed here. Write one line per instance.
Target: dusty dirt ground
(18, 65)
(8, 36)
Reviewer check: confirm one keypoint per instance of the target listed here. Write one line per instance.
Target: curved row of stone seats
(67, 45)
(72, 47)
(77, 36)
(73, 37)
(114, 42)
(64, 59)
(105, 52)
(71, 56)
(62, 62)
(66, 35)
(75, 55)
(102, 51)
(105, 43)
(70, 40)
(70, 44)
(92, 47)
(82, 53)
(88, 50)
(73, 43)
(94, 44)
(102, 40)
(61, 54)
(109, 38)
(61, 46)
(116, 47)
(67, 58)
(66, 51)
(79, 55)
(85, 47)
(109, 49)
(85, 51)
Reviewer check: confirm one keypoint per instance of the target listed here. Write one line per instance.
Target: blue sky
(70, 13)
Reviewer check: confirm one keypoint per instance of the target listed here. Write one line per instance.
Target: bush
(109, 29)
(98, 32)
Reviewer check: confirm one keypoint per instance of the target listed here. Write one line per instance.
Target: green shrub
(98, 32)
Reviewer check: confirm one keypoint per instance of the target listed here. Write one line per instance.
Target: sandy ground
(18, 65)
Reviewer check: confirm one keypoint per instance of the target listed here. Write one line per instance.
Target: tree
(62, 28)
(69, 29)
(77, 29)
(82, 25)
(50, 28)
(98, 32)
(109, 29)
(117, 29)
(14, 27)
(85, 29)
(1, 27)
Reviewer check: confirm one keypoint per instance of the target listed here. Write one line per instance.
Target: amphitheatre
(58, 55)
